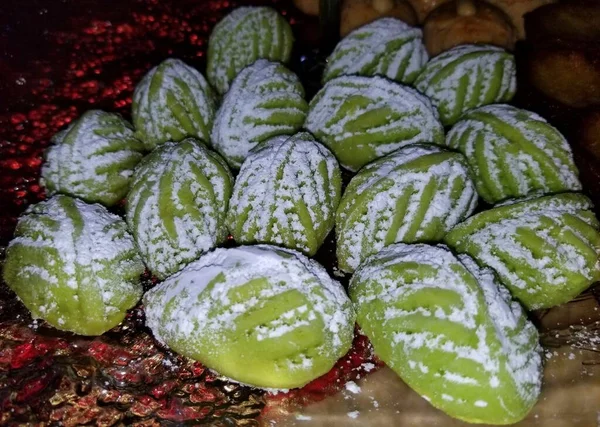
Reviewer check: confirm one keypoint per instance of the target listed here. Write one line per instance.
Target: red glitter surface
(64, 58)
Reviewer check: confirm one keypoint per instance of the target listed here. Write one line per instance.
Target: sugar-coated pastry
(265, 100)
(451, 332)
(92, 159)
(242, 37)
(363, 118)
(173, 102)
(545, 250)
(177, 205)
(416, 194)
(74, 265)
(286, 194)
(513, 152)
(387, 47)
(261, 315)
(467, 77)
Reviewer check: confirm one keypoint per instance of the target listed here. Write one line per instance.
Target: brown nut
(424, 7)
(310, 7)
(356, 13)
(567, 75)
(516, 9)
(465, 22)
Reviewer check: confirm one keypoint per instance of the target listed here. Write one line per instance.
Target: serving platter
(77, 55)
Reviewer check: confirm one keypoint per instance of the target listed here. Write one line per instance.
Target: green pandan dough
(261, 315)
(265, 100)
(173, 102)
(416, 194)
(177, 205)
(450, 331)
(93, 159)
(74, 265)
(286, 194)
(387, 47)
(467, 77)
(544, 250)
(242, 37)
(363, 118)
(513, 152)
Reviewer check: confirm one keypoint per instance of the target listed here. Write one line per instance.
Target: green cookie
(544, 250)
(93, 158)
(172, 102)
(74, 265)
(363, 118)
(450, 331)
(265, 100)
(416, 194)
(177, 205)
(513, 153)
(286, 194)
(261, 315)
(387, 47)
(242, 37)
(467, 77)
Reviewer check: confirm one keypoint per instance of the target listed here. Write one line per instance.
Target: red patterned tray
(66, 59)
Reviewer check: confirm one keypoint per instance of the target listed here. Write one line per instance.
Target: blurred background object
(465, 22)
(563, 51)
(356, 13)
(502, 18)
(516, 10)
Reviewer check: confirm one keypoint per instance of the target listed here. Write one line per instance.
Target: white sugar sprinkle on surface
(202, 293)
(386, 47)
(502, 350)
(265, 100)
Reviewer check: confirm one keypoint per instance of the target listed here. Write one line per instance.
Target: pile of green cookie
(436, 288)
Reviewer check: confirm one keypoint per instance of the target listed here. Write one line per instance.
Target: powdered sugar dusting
(86, 264)
(93, 158)
(506, 239)
(211, 292)
(265, 100)
(430, 185)
(466, 77)
(243, 36)
(363, 118)
(352, 387)
(286, 194)
(386, 47)
(177, 205)
(501, 355)
(513, 152)
(173, 101)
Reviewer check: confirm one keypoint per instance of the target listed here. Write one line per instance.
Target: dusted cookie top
(93, 158)
(467, 77)
(513, 152)
(74, 265)
(177, 205)
(363, 118)
(172, 102)
(386, 47)
(415, 194)
(544, 250)
(286, 194)
(450, 331)
(265, 100)
(242, 37)
(261, 315)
